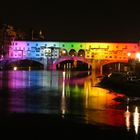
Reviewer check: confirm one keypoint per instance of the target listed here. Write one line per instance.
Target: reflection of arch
(81, 52)
(63, 52)
(72, 52)
(78, 78)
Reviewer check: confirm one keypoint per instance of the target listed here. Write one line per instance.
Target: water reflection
(132, 120)
(67, 93)
(127, 118)
(136, 120)
(63, 100)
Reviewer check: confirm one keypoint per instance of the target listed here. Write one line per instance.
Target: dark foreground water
(31, 96)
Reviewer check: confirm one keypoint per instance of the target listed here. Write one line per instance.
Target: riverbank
(54, 126)
(120, 83)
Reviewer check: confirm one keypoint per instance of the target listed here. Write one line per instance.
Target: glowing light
(136, 120)
(127, 120)
(15, 68)
(64, 51)
(29, 68)
(138, 56)
(109, 74)
(129, 54)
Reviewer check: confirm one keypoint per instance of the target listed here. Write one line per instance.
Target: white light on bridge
(129, 54)
(15, 68)
(64, 51)
(138, 56)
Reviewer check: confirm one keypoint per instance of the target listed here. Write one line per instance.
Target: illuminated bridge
(52, 54)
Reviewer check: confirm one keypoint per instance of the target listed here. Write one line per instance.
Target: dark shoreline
(129, 88)
(49, 125)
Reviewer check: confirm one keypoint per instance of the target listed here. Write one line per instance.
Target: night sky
(75, 21)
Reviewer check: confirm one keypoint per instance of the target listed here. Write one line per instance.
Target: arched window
(81, 52)
(63, 52)
(72, 52)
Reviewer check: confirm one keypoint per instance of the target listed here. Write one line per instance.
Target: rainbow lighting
(94, 54)
(91, 50)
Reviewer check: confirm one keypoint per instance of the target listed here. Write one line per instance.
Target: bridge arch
(72, 58)
(25, 63)
(109, 66)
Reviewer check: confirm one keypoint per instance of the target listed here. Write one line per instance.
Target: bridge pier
(45, 63)
(97, 66)
(50, 65)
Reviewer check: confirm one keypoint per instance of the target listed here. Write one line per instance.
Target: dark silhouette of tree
(20, 35)
(7, 34)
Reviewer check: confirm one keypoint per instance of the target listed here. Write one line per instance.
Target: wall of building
(93, 50)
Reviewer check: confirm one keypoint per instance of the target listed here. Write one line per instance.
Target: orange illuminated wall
(111, 51)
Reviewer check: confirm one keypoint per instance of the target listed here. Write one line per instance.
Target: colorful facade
(90, 50)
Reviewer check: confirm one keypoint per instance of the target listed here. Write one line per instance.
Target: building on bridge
(49, 53)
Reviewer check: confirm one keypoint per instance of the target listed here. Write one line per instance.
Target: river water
(66, 93)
